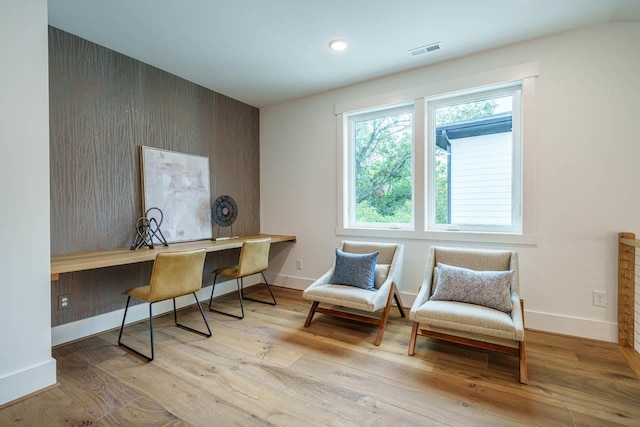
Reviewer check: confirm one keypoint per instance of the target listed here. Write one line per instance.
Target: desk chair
(254, 259)
(174, 274)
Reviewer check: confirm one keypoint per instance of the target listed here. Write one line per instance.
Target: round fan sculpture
(224, 212)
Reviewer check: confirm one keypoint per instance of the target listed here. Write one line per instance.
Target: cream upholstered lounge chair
(471, 324)
(387, 284)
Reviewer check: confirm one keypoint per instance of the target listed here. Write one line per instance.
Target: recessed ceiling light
(338, 45)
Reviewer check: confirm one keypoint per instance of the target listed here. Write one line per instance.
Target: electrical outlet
(64, 301)
(600, 298)
(298, 264)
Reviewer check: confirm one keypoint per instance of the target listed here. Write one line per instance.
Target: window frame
(492, 92)
(526, 74)
(349, 141)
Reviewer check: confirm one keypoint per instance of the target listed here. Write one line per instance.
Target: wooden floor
(269, 370)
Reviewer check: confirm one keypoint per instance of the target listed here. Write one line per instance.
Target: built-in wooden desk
(109, 258)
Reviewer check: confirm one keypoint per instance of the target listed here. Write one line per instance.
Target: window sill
(443, 236)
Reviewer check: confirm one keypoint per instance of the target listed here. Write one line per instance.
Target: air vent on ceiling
(424, 49)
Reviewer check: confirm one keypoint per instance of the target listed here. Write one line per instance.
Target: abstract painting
(177, 184)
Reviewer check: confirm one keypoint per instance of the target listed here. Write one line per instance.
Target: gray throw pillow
(355, 269)
(487, 288)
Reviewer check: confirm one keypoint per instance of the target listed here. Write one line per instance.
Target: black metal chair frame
(175, 318)
(241, 296)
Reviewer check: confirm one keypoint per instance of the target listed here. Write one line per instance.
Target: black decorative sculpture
(148, 228)
(224, 212)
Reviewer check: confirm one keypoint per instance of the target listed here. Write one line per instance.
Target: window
(449, 163)
(474, 150)
(380, 153)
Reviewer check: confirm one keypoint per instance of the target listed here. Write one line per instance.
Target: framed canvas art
(178, 185)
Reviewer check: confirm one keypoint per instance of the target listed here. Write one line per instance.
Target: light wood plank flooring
(269, 370)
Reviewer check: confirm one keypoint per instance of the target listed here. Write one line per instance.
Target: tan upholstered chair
(338, 297)
(174, 274)
(471, 324)
(254, 259)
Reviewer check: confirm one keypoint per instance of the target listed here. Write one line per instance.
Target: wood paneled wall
(103, 107)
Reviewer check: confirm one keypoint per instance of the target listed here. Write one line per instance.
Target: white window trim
(516, 191)
(349, 213)
(526, 73)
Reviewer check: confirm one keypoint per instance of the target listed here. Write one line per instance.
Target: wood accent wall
(103, 107)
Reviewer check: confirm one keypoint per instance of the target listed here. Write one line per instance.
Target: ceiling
(263, 52)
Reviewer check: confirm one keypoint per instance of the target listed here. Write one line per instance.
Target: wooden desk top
(109, 258)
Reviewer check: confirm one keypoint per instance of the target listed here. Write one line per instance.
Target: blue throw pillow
(355, 269)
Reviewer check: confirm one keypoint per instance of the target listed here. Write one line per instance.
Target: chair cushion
(355, 269)
(487, 288)
(141, 292)
(382, 271)
(347, 296)
(387, 250)
(229, 271)
(470, 318)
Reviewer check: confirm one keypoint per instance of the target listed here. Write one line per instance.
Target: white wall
(26, 364)
(586, 177)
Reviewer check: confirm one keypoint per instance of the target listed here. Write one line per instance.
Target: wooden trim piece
(626, 289)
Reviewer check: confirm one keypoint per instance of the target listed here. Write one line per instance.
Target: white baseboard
(574, 326)
(546, 322)
(291, 282)
(27, 381)
(104, 322)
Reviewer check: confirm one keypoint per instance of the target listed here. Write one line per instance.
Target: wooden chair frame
(381, 322)
(520, 352)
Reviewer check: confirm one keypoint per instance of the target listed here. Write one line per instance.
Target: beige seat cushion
(470, 318)
(347, 296)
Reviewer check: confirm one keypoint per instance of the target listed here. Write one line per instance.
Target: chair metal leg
(175, 318)
(238, 282)
(213, 288)
(120, 343)
(269, 289)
